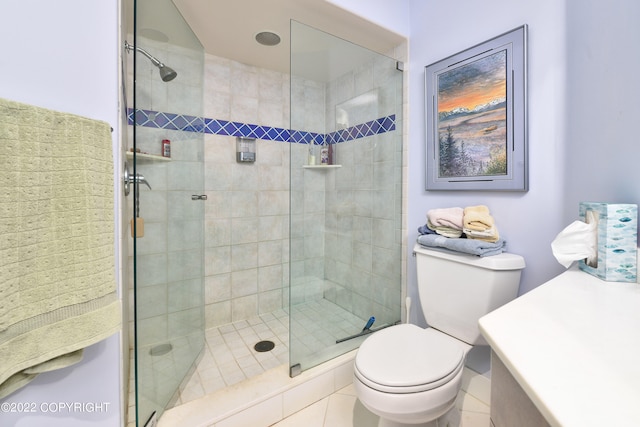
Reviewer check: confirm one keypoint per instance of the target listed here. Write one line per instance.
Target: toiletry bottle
(312, 155)
(330, 154)
(166, 148)
(324, 155)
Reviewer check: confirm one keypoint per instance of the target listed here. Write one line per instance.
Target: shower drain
(263, 346)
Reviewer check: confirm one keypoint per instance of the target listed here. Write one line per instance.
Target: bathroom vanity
(569, 351)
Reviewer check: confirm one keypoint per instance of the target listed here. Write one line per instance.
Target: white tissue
(577, 241)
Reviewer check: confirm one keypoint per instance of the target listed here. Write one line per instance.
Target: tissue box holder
(617, 241)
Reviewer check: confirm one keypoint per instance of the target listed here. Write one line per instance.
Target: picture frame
(476, 117)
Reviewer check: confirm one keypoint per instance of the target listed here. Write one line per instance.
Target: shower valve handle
(139, 179)
(129, 179)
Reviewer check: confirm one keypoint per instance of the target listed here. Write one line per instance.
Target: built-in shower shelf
(148, 157)
(321, 166)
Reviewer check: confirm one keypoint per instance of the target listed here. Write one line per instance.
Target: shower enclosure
(167, 204)
(244, 266)
(346, 226)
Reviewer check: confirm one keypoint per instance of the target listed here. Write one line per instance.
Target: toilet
(410, 375)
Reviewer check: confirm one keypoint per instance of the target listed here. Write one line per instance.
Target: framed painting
(476, 117)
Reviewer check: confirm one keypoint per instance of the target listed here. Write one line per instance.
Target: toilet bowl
(411, 375)
(408, 374)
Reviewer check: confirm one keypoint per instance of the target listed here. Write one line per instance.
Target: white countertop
(573, 344)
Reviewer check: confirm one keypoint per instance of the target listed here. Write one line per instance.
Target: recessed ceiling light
(268, 38)
(154, 34)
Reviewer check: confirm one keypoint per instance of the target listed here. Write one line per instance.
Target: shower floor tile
(229, 356)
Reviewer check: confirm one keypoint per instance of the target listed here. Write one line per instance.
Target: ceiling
(227, 28)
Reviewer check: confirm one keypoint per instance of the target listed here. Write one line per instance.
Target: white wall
(603, 147)
(63, 55)
(527, 220)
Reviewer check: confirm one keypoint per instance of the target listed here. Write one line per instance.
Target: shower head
(166, 73)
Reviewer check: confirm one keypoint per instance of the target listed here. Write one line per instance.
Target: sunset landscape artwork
(472, 118)
(476, 117)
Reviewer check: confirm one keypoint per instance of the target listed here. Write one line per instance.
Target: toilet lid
(410, 357)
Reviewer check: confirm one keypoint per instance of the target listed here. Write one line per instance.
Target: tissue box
(617, 240)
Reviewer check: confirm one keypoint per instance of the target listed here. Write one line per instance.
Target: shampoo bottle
(312, 155)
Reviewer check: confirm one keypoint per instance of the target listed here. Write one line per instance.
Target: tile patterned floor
(343, 409)
(229, 356)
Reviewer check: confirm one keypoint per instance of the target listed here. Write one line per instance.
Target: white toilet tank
(457, 289)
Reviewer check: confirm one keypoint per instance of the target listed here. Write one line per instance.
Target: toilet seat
(408, 359)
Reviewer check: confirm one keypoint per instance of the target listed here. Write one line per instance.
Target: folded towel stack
(447, 222)
(479, 224)
(447, 228)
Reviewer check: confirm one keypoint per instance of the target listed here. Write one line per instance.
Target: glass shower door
(167, 208)
(346, 195)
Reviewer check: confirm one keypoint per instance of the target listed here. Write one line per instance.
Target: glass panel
(345, 243)
(168, 142)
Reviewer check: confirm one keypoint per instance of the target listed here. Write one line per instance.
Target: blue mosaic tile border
(160, 120)
(373, 127)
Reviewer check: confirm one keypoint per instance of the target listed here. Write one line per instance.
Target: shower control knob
(128, 178)
(139, 179)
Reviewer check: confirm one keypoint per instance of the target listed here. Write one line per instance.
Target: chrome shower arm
(166, 73)
(152, 58)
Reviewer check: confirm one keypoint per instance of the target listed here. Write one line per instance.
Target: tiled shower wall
(354, 259)
(247, 215)
(247, 211)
